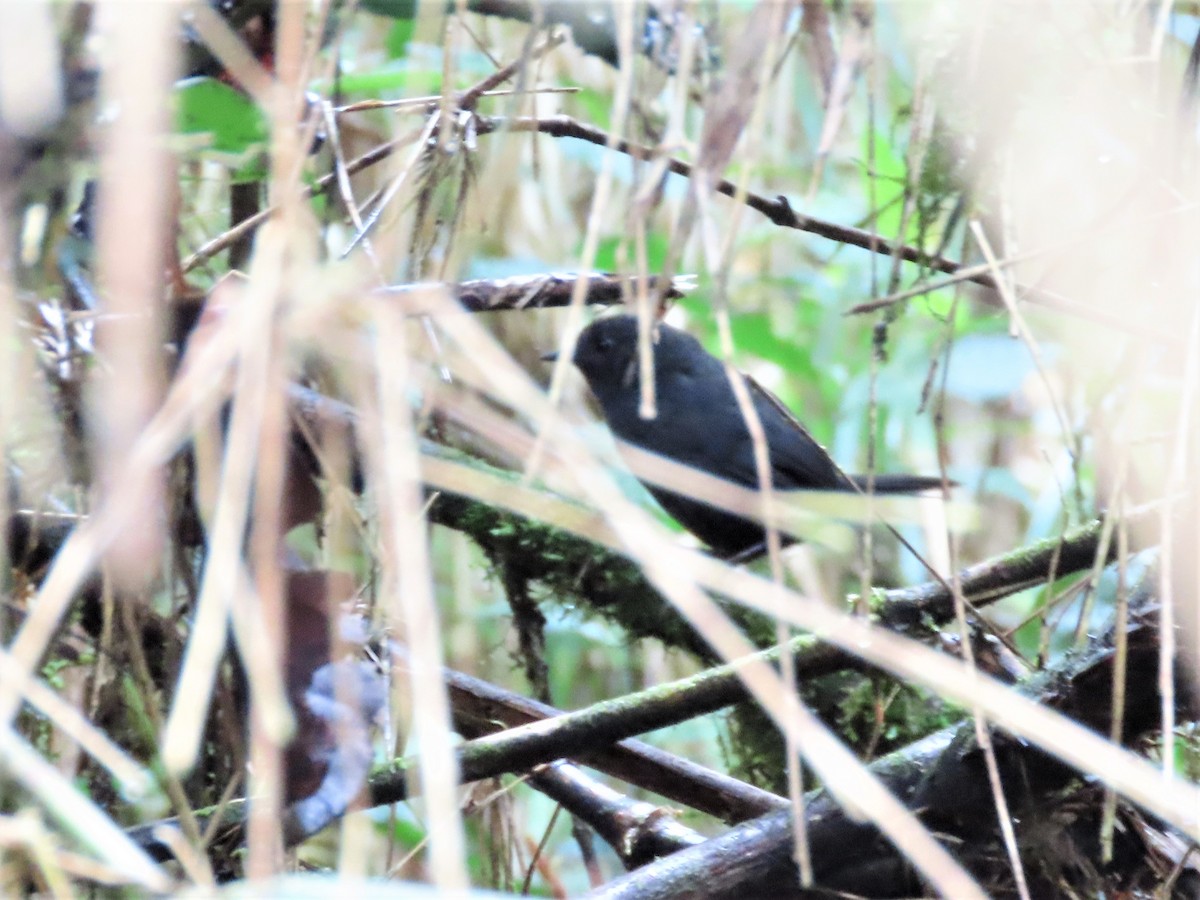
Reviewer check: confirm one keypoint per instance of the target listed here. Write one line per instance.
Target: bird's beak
(552, 356)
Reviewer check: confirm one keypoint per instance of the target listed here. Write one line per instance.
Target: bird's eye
(605, 343)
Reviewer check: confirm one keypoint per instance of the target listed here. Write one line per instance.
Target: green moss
(874, 714)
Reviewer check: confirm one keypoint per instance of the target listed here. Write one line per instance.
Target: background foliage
(864, 120)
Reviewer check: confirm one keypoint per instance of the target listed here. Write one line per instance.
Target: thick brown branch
(778, 210)
(533, 291)
(638, 832)
(942, 777)
(992, 579)
(481, 708)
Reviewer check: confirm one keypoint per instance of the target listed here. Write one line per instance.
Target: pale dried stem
(1130, 775)
(78, 815)
(132, 776)
(131, 246)
(678, 575)
(591, 241)
(406, 572)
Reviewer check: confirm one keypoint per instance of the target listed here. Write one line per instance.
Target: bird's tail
(900, 484)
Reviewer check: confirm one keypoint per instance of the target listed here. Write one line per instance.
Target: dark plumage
(700, 424)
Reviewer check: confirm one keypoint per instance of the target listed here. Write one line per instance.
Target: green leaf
(594, 106)
(226, 123)
(211, 107)
(608, 259)
(398, 38)
(389, 78)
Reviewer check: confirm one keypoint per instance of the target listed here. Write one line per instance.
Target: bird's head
(606, 353)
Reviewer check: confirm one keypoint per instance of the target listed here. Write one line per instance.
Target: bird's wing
(797, 460)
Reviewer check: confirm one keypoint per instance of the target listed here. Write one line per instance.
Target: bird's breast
(692, 434)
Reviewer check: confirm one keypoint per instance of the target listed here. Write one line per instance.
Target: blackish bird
(700, 424)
